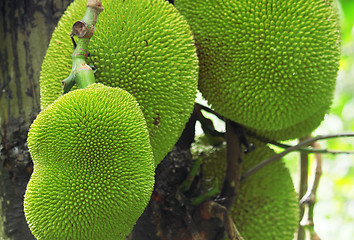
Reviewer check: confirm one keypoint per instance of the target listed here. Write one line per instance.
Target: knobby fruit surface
(268, 65)
(93, 166)
(142, 46)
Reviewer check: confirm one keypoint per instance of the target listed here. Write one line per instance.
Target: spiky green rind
(272, 191)
(298, 130)
(93, 166)
(266, 64)
(267, 206)
(142, 46)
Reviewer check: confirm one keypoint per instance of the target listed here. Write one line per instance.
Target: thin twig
(209, 110)
(291, 149)
(213, 136)
(310, 150)
(309, 199)
(302, 149)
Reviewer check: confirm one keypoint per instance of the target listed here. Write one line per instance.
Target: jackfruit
(142, 46)
(267, 205)
(268, 65)
(299, 129)
(93, 166)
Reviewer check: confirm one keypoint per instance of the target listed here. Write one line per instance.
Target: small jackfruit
(267, 205)
(142, 46)
(268, 65)
(93, 166)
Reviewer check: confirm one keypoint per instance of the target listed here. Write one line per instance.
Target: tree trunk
(25, 30)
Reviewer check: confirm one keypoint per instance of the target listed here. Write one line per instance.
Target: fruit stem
(233, 173)
(81, 73)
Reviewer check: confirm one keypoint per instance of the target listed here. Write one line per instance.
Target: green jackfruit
(268, 65)
(142, 46)
(93, 166)
(267, 206)
(299, 129)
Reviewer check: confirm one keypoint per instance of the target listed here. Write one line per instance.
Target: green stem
(185, 186)
(82, 74)
(214, 191)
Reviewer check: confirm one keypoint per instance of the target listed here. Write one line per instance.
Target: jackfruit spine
(268, 65)
(93, 166)
(144, 47)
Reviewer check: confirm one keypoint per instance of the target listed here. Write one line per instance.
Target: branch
(81, 73)
(291, 149)
(303, 184)
(209, 110)
(308, 150)
(309, 199)
(302, 149)
(212, 136)
(233, 173)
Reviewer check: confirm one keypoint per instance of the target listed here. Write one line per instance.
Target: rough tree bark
(25, 30)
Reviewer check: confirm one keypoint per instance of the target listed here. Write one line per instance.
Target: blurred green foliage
(347, 8)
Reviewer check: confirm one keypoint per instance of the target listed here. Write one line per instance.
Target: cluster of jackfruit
(93, 166)
(142, 46)
(268, 65)
(267, 205)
